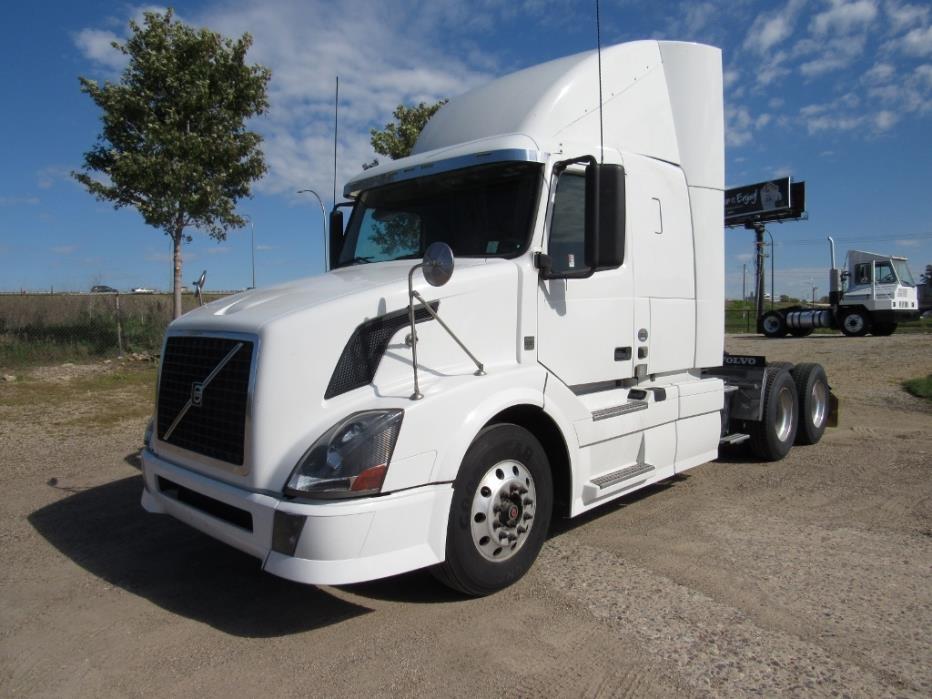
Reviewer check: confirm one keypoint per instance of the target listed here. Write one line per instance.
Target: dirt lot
(810, 577)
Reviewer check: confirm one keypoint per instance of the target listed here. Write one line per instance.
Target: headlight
(350, 459)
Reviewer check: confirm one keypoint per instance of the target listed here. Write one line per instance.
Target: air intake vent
(203, 391)
(361, 357)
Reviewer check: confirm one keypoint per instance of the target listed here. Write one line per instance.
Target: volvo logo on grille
(197, 390)
(197, 394)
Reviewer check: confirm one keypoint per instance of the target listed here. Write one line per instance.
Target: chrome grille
(203, 409)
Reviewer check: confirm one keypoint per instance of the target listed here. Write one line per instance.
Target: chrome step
(630, 407)
(623, 474)
(734, 438)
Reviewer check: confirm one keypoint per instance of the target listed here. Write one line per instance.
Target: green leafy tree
(174, 142)
(397, 138)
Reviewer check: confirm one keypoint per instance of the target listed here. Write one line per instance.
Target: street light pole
(252, 247)
(323, 214)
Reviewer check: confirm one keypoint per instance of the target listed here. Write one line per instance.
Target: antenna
(598, 43)
(336, 123)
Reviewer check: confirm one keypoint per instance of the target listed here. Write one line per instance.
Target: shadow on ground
(105, 530)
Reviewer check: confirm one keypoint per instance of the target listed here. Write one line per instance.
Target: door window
(884, 273)
(567, 247)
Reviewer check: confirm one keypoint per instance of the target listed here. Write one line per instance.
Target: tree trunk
(176, 259)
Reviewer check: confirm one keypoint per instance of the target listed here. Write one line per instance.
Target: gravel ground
(809, 577)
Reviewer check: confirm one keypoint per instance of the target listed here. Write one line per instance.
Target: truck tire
(800, 332)
(773, 324)
(883, 329)
(773, 437)
(855, 324)
(813, 392)
(500, 512)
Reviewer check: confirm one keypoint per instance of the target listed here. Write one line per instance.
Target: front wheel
(500, 513)
(855, 324)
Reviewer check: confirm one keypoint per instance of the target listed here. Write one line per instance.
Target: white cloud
(266, 247)
(844, 17)
(63, 249)
(918, 42)
(97, 45)
(885, 120)
(903, 16)
(219, 250)
(47, 176)
(767, 31)
(880, 72)
(730, 77)
(907, 243)
(923, 74)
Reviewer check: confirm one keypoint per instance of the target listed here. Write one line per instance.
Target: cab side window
(862, 273)
(568, 225)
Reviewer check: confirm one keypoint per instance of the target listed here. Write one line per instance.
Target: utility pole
(744, 281)
(758, 229)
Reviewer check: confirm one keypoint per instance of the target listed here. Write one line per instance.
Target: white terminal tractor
(522, 319)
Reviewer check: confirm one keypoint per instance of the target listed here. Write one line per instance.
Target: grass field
(37, 329)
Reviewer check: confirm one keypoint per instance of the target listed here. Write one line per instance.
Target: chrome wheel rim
(785, 409)
(771, 324)
(503, 509)
(818, 407)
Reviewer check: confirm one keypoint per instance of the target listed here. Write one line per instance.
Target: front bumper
(341, 542)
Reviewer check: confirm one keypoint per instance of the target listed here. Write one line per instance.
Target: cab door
(585, 323)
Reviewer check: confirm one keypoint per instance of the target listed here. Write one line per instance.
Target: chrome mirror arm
(437, 267)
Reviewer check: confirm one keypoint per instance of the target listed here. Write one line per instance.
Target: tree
(174, 143)
(397, 138)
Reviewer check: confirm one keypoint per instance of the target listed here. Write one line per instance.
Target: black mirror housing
(336, 236)
(605, 246)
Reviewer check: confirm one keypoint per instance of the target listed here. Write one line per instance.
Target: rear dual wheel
(773, 324)
(814, 402)
(773, 436)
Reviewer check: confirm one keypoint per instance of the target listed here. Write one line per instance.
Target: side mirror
(438, 264)
(199, 287)
(335, 236)
(605, 216)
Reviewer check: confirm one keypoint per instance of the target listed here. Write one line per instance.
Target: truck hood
(304, 328)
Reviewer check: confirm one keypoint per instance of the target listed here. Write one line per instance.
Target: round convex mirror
(438, 264)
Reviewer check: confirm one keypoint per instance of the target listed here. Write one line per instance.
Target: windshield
(484, 211)
(902, 271)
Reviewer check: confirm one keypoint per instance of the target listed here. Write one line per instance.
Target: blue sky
(834, 92)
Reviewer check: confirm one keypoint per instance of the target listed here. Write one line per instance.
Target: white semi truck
(394, 414)
(872, 294)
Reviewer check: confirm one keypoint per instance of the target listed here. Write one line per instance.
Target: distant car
(103, 289)
(143, 290)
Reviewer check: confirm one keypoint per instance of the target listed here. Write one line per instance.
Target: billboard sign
(758, 201)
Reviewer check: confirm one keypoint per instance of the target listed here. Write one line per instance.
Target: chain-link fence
(37, 328)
